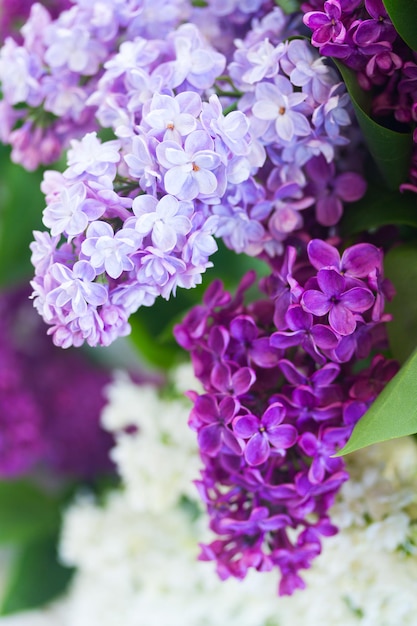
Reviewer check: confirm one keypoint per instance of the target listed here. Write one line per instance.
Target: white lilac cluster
(136, 556)
(204, 148)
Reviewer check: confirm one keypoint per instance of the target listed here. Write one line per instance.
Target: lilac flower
(142, 164)
(262, 61)
(174, 117)
(321, 448)
(74, 48)
(159, 268)
(332, 114)
(233, 128)
(264, 433)
(340, 303)
(358, 261)
(20, 74)
(326, 25)
(313, 338)
(379, 28)
(196, 63)
(72, 211)
(215, 418)
(308, 71)
(331, 190)
(109, 251)
(43, 251)
(277, 103)
(200, 244)
(90, 156)
(238, 231)
(76, 287)
(191, 170)
(283, 432)
(167, 221)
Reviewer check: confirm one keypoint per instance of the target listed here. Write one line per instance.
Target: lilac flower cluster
(359, 33)
(50, 401)
(281, 396)
(48, 79)
(135, 217)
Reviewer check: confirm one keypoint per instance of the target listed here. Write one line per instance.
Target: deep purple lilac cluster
(282, 394)
(50, 401)
(361, 35)
(242, 145)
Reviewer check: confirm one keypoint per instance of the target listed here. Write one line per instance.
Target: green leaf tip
(392, 415)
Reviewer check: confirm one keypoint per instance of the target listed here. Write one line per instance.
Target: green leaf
(26, 512)
(36, 577)
(392, 415)
(379, 207)
(390, 149)
(403, 14)
(21, 205)
(151, 347)
(288, 6)
(400, 267)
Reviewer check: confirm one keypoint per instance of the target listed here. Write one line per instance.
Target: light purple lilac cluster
(205, 148)
(50, 401)
(48, 79)
(361, 35)
(281, 395)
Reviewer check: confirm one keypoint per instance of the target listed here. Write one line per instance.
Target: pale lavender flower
(278, 104)
(166, 220)
(73, 48)
(109, 251)
(76, 287)
(332, 114)
(72, 211)
(262, 61)
(140, 158)
(43, 251)
(190, 168)
(308, 71)
(91, 156)
(173, 117)
(232, 129)
(196, 63)
(20, 75)
(238, 230)
(200, 243)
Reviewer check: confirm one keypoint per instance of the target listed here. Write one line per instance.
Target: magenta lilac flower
(279, 400)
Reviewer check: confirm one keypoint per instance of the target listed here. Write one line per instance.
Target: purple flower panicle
(267, 443)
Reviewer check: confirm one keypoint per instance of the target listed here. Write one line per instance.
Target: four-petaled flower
(265, 434)
(214, 418)
(343, 305)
